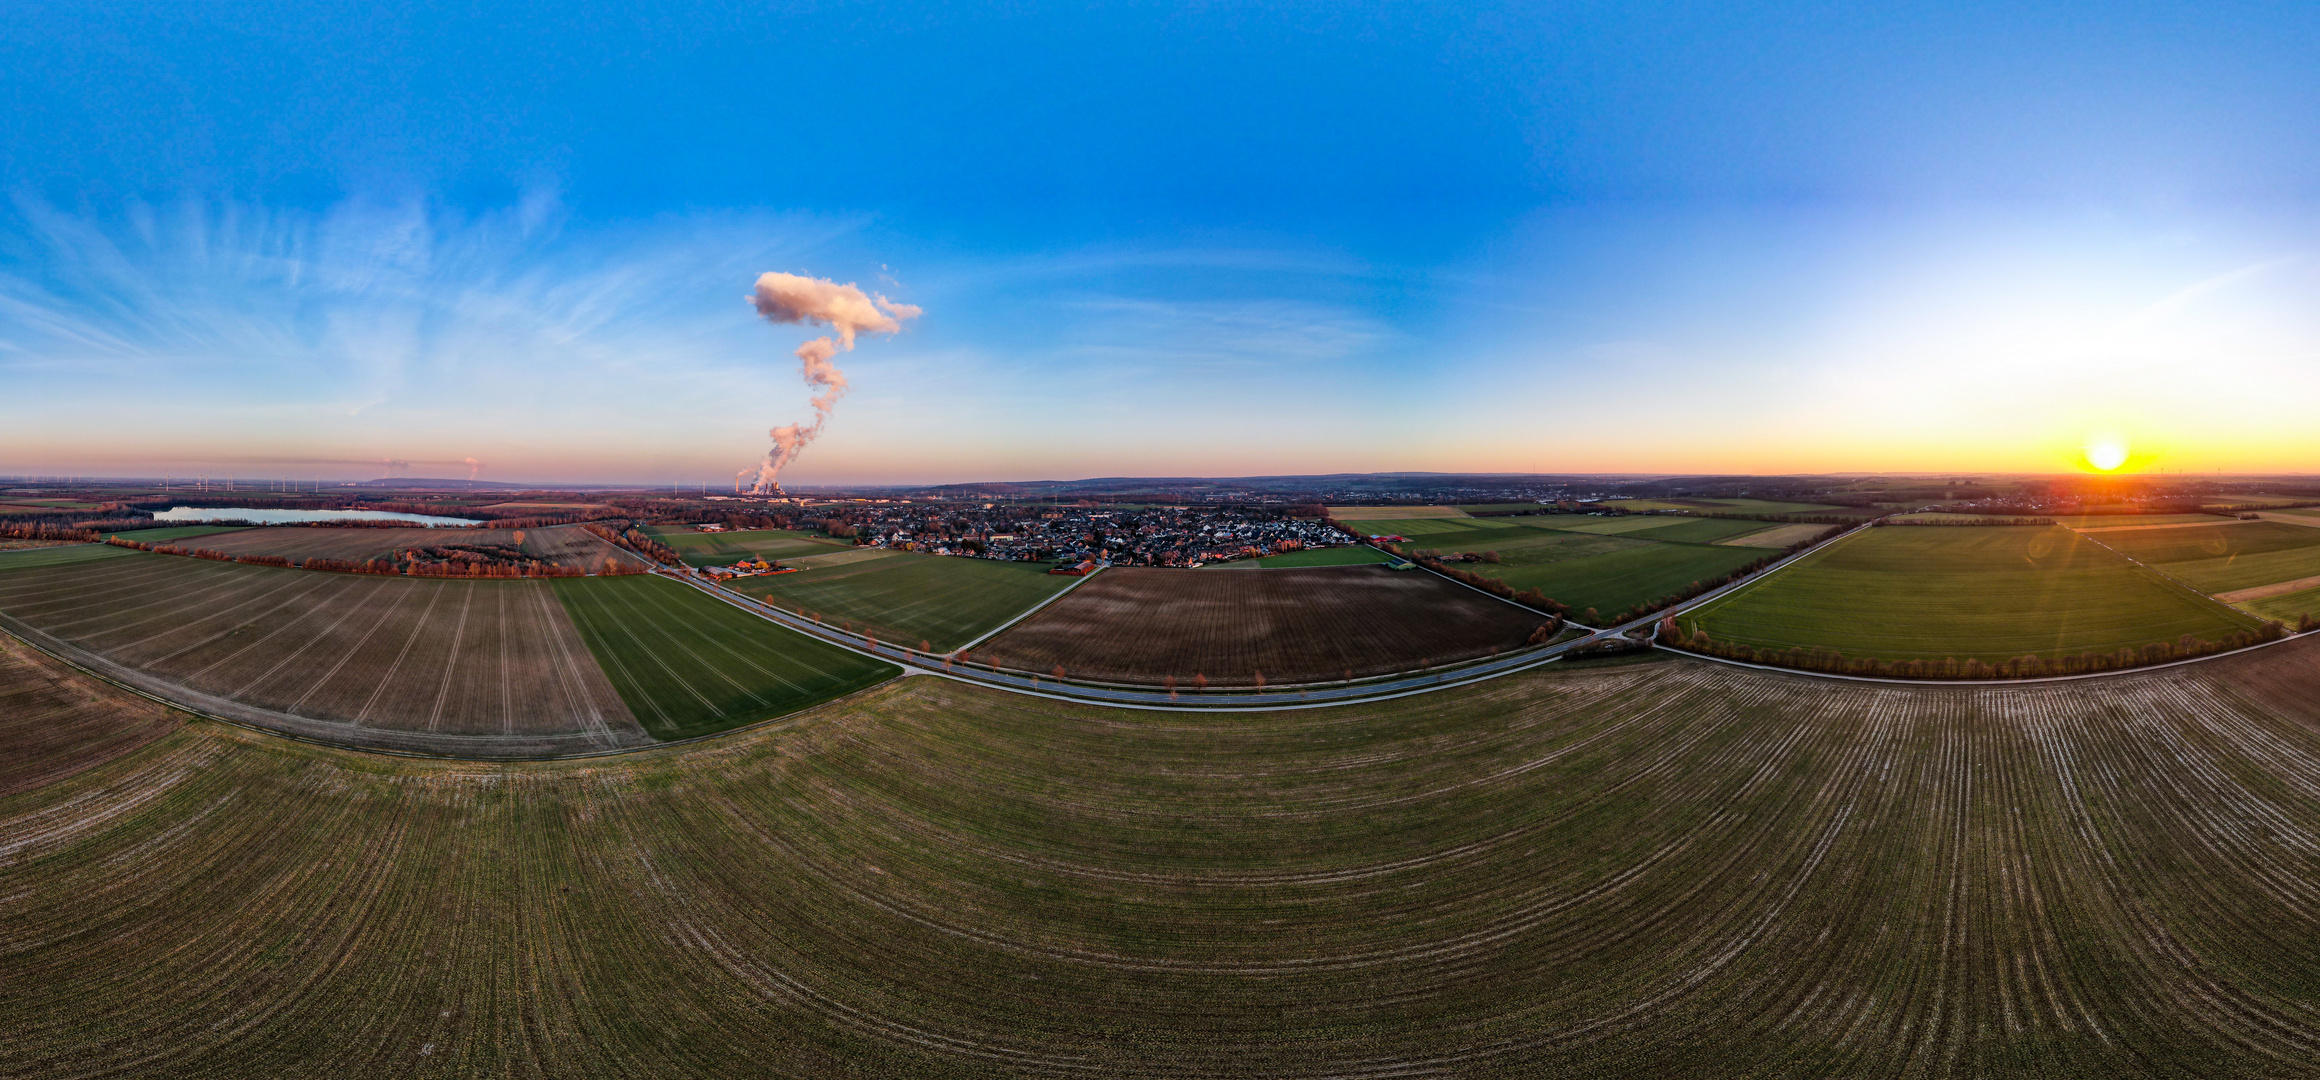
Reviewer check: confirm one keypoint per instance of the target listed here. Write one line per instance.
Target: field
(1614, 526)
(2134, 521)
(55, 722)
(906, 598)
(1732, 506)
(1421, 528)
(1989, 593)
(567, 545)
(1671, 869)
(453, 666)
(176, 533)
(1356, 555)
(1145, 625)
(1682, 530)
(688, 664)
(1618, 580)
(1778, 536)
(726, 548)
(1610, 564)
(60, 555)
(2286, 608)
(2225, 558)
(1402, 513)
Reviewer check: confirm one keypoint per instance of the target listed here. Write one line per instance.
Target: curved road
(915, 662)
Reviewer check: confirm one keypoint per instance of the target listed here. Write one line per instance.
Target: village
(1129, 535)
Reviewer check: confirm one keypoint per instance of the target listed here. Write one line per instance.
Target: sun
(2107, 455)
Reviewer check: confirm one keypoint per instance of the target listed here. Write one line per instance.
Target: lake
(280, 517)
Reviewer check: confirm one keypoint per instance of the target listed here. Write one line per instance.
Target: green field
(1731, 506)
(2224, 558)
(906, 598)
(725, 548)
(1357, 555)
(1526, 547)
(1610, 564)
(1419, 528)
(2117, 521)
(1618, 580)
(1989, 593)
(182, 532)
(2287, 608)
(26, 558)
(688, 664)
(1682, 530)
(1626, 523)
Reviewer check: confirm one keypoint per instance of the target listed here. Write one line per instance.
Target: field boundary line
(1567, 620)
(2266, 592)
(1736, 588)
(2243, 650)
(1033, 609)
(2171, 579)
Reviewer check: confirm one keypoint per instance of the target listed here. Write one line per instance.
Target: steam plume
(846, 309)
(473, 467)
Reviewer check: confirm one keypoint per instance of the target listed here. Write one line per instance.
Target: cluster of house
(1117, 535)
(745, 568)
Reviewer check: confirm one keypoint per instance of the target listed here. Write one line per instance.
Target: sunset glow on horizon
(1754, 252)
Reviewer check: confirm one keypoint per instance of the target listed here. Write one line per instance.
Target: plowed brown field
(1142, 625)
(1667, 869)
(567, 545)
(443, 665)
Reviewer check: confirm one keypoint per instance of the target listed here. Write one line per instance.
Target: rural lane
(915, 662)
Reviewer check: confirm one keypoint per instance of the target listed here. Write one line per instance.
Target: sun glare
(2107, 455)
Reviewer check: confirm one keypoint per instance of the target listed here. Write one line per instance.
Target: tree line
(635, 540)
(410, 565)
(1967, 521)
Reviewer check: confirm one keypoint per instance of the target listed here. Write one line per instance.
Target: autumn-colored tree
(1058, 672)
(1199, 681)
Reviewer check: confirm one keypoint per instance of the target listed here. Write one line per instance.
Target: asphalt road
(1305, 697)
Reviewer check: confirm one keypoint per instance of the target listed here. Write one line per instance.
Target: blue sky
(1158, 239)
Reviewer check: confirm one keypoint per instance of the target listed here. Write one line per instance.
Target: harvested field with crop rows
(1147, 625)
(448, 666)
(54, 721)
(689, 664)
(1972, 592)
(908, 599)
(1660, 869)
(564, 545)
(726, 548)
